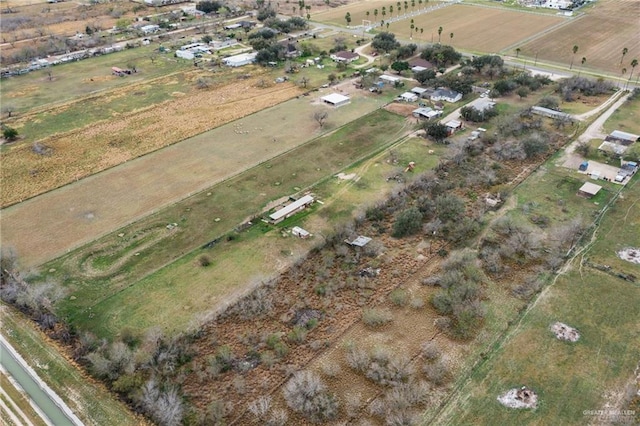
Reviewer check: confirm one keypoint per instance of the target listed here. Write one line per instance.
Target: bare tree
(306, 394)
(9, 110)
(320, 117)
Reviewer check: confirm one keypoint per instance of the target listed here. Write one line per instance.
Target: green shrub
(376, 317)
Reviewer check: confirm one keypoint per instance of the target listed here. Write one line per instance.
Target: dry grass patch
(80, 153)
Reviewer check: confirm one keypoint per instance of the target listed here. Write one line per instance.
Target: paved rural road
(43, 399)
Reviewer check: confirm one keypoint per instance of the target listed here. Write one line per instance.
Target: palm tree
(439, 33)
(517, 52)
(375, 14)
(622, 73)
(387, 26)
(391, 10)
(411, 33)
(421, 31)
(384, 11)
(413, 5)
(419, 4)
(634, 64)
(575, 50)
(624, 52)
(451, 36)
(582, 62)
(406, 6)
(398, 7)
(367, 15)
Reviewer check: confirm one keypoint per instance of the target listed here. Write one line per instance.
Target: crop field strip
(600, 35)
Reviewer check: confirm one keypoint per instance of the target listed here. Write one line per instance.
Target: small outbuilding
(589, 190)
(300, 232)
(426, 112)
(361, 241)
(409, 97)
(623, 138)
(453, 125)
(336, 100)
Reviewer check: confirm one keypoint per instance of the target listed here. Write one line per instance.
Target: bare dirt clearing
(519, 398)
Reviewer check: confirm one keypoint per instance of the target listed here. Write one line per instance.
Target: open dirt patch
(564, 332)
(630, 254)
(519, 398)
(401, 108)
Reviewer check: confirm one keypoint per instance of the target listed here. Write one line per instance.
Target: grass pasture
(476, 29)
(571, 379)
(600, 35)
(568, 377)
(625, 118)
(86, 151)
(100, 295)
(77, 79)
(138, 188)
(620, 230)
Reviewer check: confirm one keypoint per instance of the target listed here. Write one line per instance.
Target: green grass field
(569, 378)
(76, 79)
(98, 295)
(625, 118)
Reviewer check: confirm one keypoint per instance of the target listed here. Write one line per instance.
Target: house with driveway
(345, 56)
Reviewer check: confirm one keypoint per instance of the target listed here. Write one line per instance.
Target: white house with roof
(442, 94)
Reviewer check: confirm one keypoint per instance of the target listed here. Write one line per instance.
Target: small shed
(336, 99)
(589, 190)
(389, 79)
(453, 125)
(409, 97)
(420, 91)
(361, 241)
(300, 232)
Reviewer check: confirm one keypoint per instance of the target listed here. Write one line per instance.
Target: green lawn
(625, 118)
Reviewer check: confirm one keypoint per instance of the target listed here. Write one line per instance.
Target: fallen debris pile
(564, 332)
(519, 398)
